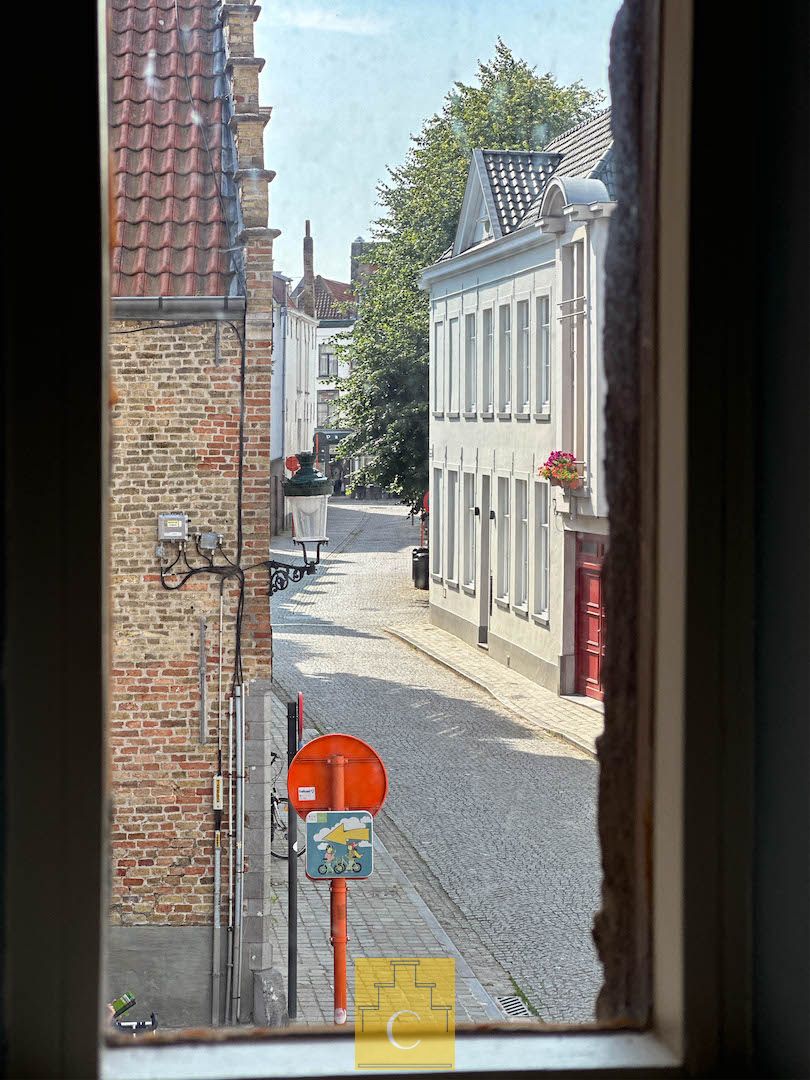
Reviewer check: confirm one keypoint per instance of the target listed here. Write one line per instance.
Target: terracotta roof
(175, 205)
(330, 298)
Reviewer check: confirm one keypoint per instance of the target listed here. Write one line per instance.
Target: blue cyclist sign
(339, 844)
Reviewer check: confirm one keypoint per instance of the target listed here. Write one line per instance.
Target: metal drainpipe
(236, 990)
(216, 966)
(284, 449)
(231, 835)
(284, 382)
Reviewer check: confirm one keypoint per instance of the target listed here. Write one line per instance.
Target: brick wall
(175, 427)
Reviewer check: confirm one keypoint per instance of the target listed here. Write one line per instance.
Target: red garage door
(590, 621)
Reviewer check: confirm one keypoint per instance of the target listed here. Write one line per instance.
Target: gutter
(490, 251)
(149, 308)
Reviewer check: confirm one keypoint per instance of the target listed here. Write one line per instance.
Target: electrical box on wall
(209, 541)
(173, 526)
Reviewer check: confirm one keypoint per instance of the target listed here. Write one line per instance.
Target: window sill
(437, 578)
(438, 415)
(543, 417)
(487, 416)
(504, 415)
(522, 416)
(469, 589)
(470, 414)
(279, 1054)
(541, 620)
(452, 584)
(502, 602)
(453, 415)
(520, 610)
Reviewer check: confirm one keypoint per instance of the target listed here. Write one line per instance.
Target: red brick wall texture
(175, 444)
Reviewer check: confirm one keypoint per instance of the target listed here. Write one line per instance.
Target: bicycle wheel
(278, 832)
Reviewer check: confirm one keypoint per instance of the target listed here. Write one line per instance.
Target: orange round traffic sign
(314, 773)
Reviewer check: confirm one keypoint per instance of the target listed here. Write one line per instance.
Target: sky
(349, 84)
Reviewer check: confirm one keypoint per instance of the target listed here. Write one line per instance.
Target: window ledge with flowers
(563, 470)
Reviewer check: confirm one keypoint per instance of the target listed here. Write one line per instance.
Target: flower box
(560, 469)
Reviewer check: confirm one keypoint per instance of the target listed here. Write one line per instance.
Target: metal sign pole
(338, 890)
(292, 872)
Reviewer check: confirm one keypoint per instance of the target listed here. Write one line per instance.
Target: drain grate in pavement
(513, 1006)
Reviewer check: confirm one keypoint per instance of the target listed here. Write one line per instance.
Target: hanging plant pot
(560, 469)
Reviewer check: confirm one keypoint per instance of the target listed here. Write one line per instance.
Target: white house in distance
(334, 306)
(293, 388)
(516, 372)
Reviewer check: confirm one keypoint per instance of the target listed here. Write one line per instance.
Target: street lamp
(308, 493)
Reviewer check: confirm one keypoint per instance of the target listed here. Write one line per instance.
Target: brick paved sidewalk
(576, 724)
(386, 918)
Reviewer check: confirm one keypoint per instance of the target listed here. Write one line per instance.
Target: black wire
(208, 558)
(220, 571)
(163, 326)
(221, 550)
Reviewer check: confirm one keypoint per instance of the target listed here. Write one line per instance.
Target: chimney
(361, 268)
(308, 293)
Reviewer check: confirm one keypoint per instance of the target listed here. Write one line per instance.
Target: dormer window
(483, 229)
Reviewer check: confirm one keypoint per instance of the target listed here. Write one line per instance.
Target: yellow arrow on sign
(340, 835)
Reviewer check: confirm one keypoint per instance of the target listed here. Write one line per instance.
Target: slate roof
(516, 179)
(584, 147)
(330, 298)
(175, 206)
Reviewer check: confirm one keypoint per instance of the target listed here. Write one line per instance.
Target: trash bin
(419, 568)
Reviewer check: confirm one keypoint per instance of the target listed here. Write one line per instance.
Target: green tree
(385, 398)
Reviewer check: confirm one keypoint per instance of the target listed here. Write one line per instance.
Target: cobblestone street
(491, 819)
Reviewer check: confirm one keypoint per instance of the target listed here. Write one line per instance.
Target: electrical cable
(162, 326)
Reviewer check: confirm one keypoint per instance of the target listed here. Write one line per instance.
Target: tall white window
(468, 576)
(505, 358)
(521, 544)
(452, 366)
(572, 326)
(543, 354)
(452, 519)
(438, 367)
(523, 393)
(540, 600)
(470, 363)
(436, 507)
(327, 360)
(503, 527)
(487, 382)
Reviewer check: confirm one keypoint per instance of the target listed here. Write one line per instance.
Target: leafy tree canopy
(385, 398)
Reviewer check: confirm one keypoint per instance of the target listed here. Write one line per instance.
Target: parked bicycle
(279, 820)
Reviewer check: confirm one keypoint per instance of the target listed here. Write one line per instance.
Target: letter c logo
(389, 1028)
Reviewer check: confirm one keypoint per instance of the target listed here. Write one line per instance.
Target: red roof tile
(330, 298)
(173, 200)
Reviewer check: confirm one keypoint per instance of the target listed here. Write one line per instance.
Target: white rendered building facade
(516, 312)
(293, 405)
